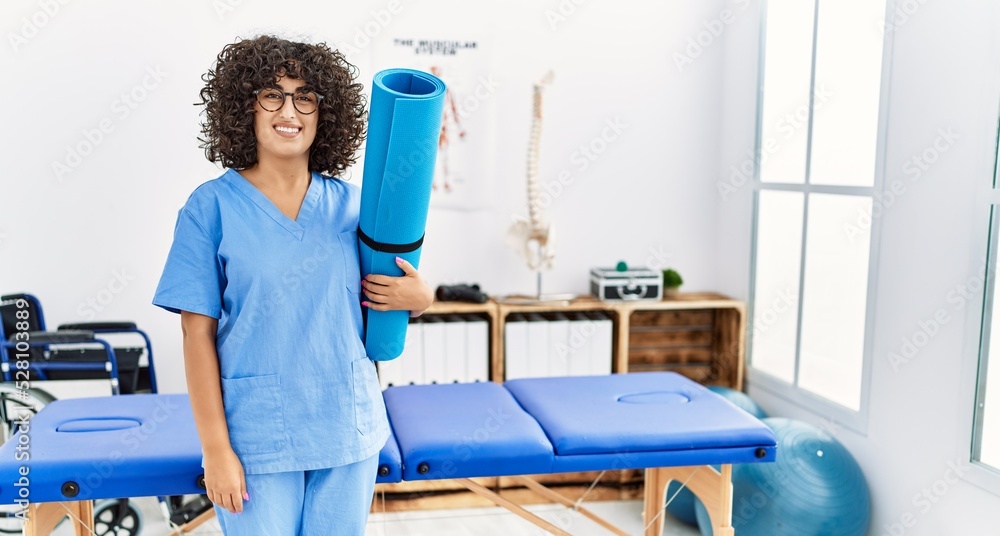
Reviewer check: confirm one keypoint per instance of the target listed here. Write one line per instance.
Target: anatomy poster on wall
(463, 176)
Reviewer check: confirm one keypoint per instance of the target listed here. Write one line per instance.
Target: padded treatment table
(655, 421)
(675, 429)
(79, 450)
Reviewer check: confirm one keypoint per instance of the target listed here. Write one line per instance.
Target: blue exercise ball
(682, 505)
(740, 399)
(815, 487)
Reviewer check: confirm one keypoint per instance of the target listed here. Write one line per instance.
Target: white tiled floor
(627, 515)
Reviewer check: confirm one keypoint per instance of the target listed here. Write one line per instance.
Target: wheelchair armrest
(98, 326)
(55, 337)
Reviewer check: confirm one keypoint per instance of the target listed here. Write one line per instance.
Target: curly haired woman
(264, 272)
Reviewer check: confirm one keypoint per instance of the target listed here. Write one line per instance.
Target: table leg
(714, 488)
(43, 517)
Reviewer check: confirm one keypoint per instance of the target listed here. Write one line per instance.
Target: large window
(817, 204)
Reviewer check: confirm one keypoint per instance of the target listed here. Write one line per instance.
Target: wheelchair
(75, 351)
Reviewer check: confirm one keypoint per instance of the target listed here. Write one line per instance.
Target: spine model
(534, 237)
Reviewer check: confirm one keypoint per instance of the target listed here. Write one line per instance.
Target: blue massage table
(147, 445)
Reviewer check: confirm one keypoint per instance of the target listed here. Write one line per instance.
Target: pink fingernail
(246, 496)
(364, 303)
(399, 259)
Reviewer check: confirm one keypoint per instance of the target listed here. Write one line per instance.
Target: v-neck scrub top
(298, 389)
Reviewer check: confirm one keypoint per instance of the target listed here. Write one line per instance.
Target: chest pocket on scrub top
(351, 299)
(253, 414)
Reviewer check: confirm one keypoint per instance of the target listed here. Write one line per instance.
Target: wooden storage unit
(700, 335)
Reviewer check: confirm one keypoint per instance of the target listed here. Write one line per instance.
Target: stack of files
(440, 349)
(557, 344)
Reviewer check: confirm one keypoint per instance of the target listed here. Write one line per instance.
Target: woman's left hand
(407, 292)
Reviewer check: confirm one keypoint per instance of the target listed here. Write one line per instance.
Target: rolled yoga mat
(404, 122)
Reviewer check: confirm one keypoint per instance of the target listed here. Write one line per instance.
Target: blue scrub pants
(323, 501)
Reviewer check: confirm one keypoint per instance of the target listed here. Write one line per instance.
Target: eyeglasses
(272, 99)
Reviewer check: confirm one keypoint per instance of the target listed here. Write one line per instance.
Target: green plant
(672, 279)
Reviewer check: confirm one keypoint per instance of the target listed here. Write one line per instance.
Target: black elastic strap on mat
(389, 248)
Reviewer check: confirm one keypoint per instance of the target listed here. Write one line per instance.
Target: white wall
(944, 75)
(647, 199)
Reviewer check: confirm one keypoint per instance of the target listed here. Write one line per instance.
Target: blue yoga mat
(404, 122)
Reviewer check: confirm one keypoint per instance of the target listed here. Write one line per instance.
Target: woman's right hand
(225, 483)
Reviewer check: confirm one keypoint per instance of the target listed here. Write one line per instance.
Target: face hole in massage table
(97, 425)
(656, 397)
(408, 84)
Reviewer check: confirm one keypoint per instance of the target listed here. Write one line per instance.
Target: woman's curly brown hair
(248, 65)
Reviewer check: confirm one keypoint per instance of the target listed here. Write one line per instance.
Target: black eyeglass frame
(285, 95)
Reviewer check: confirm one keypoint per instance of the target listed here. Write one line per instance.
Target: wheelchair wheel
(10, 523)
(117, 517)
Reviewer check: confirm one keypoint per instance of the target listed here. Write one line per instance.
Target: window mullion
(832, 189)
(805, 200)
(809, 98)
(802, 282)
(985, 337)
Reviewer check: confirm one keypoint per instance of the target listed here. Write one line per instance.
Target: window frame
(834, 414)
(978, 321)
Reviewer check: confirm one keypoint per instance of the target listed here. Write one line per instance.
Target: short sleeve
(192, 279)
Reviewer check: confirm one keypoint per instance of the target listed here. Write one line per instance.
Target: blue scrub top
(298, 389)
